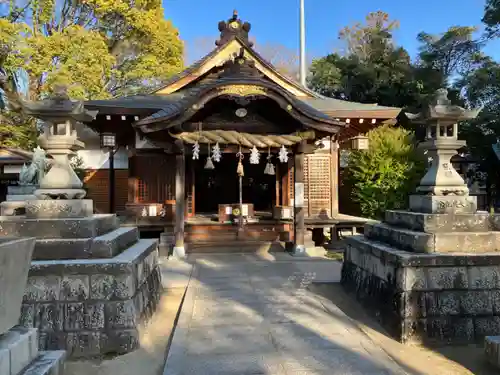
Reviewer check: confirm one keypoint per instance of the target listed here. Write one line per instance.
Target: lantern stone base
(60, 193)
(440, 204)
(93, 307)
(96, 285)
(59, 208)
(425, 298)
(16, 199)
(13, 208)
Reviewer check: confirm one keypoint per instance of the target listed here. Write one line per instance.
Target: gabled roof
(232, 44)
(233, 47)
(194, 98)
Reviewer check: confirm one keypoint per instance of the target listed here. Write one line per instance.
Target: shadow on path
(449, 359)
(245, 315)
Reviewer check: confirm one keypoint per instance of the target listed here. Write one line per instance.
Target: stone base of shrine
(92, 307)
(425, 298)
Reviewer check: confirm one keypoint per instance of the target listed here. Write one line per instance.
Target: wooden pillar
(335, 165)
(299, 209)
(132, 179)
(277, 187)
(180, 188)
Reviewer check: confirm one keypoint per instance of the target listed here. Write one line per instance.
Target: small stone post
(442, 189)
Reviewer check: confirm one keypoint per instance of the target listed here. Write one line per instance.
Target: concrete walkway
(245, 315)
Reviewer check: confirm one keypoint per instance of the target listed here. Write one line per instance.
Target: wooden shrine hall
(231, 152)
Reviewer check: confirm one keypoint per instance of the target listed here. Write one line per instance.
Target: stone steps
(421, 242)
(104, 246)
(234, 246)
(85, 227)
(47, 363)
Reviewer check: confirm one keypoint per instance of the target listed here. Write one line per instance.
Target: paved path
(242, 315)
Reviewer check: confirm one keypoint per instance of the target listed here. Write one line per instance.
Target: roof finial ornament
(233, 28)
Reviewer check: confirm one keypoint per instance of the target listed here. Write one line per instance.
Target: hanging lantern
(283, 154)
(269, 166)
(360, 142)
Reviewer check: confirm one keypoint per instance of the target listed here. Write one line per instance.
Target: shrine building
(230, 150)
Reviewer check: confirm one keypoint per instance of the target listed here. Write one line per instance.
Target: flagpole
(303, 71)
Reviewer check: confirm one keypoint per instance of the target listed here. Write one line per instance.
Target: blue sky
(276, 21)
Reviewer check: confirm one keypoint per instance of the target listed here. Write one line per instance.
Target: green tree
(97, 48)
(373, 70)
(383, 176)
(481, 88)
(370, 40)
(452, 53)
(491, 18)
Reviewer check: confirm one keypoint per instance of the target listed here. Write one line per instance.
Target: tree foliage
(455, 52)
(375, 69)
(97, 48)
(372, 39)
(491, 18)
(383, 176)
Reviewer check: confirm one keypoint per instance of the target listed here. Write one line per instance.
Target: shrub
(383, 176)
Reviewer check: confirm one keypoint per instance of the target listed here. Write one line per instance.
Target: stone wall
(426, 297)
(93, 307)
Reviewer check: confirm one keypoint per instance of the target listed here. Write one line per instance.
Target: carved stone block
(75, 287)
(59, 208)
(435, 204)
(107, 287)
(82, 316)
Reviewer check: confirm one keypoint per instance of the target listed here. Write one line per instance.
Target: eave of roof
(193, 94)
(14, 155)
(344, 109)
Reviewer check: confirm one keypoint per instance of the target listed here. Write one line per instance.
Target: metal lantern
(108, 140)
(360, 142)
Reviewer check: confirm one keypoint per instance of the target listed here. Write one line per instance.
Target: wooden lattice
(318, 180)
(154, 186)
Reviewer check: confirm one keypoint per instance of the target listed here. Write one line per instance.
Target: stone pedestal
(59, 208)
(432, 274)
(15, 202)
(91, 283)
(435, 204)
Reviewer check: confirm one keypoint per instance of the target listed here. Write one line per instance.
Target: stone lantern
(60, 140)
(61, 192)
(442, 189)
